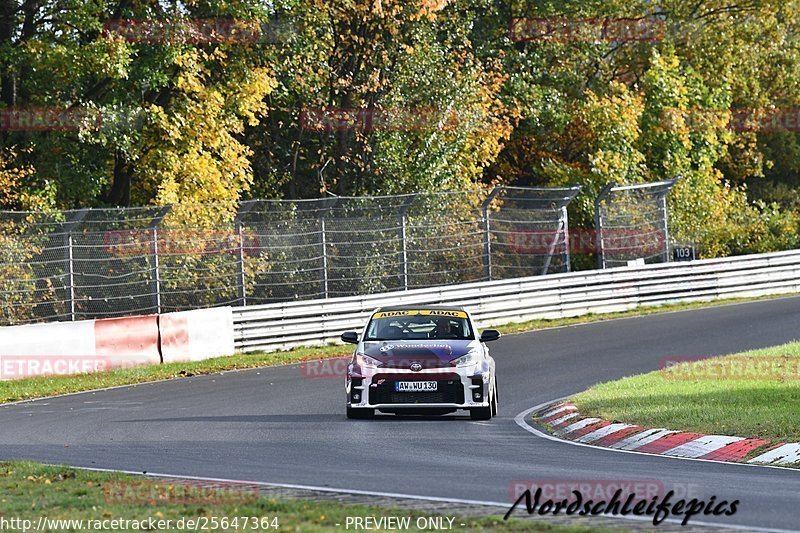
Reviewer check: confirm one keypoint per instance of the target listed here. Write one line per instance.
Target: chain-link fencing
(632, 224)
(96, 263)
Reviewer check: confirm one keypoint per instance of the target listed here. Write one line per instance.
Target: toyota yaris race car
(421, 360)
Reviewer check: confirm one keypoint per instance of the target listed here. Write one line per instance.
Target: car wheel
(481, 413)
(360, 414)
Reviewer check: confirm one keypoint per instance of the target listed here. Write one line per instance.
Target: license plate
(415, 386)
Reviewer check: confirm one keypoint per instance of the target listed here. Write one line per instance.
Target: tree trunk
(120, 192)
(8, 82)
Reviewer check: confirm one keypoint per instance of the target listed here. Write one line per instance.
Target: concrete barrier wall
(57, 338)
(102, 344)
(196, 335)
(128, 341)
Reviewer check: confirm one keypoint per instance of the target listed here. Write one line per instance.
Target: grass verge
(39, 387)
(33, 492)
(752, 394)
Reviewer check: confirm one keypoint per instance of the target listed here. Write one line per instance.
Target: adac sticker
(431, 312)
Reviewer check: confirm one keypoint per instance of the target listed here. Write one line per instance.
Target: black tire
(481, 413)
(360, 414)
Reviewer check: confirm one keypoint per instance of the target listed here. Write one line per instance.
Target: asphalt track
(274, 425)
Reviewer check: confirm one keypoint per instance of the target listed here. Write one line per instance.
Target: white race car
(421, 360)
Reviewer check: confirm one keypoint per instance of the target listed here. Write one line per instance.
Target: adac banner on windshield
(411, 312)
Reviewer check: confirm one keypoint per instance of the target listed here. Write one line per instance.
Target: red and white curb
(565, 422)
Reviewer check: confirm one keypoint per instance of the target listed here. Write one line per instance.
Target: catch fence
(96, 263)
(632, 223)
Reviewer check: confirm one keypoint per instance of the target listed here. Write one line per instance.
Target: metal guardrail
(281, 325)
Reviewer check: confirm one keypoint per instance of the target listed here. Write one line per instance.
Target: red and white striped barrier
(96, 345)
(128, 341)
(196, 335)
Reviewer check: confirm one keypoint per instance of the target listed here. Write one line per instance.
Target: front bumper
(456, 389)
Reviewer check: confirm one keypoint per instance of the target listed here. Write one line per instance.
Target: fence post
(663, 206)
(404, 237)
(72, 221)
(156, 279)
(667, 255)
(598, 223)
(71, 277)
(327, 204)
(551, 250)
(487, 233)
(567, 251)
(244, 208)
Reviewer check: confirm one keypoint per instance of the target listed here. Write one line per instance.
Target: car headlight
(365, 361)
(468, 359)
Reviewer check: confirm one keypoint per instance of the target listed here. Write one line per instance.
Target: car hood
(429, 353)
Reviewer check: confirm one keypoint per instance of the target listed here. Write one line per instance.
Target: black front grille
(448, 391)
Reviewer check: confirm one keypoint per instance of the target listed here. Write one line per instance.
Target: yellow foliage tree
(192, 152)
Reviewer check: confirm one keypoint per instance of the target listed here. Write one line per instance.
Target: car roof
(413, 307)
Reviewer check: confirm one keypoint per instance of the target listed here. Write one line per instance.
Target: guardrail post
(487, 233)
(404, 237)
(69, 258)
(244, 208)
(156, 279)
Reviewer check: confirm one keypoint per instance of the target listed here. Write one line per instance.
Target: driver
(388, 330)
(444, 329)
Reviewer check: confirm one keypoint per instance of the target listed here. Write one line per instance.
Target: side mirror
(489, 335)
(350, 337)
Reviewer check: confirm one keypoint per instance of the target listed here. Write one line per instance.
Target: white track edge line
(503, 505)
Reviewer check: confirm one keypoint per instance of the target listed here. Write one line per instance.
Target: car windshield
(419, 324)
